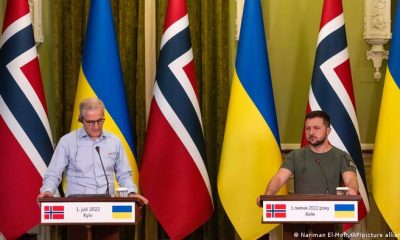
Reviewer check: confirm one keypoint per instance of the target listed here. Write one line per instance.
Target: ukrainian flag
(122, 212)
(251, 148)
(386, 158)
(344, 210)
(101, 76)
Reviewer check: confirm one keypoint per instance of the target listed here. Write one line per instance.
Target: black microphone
(323, 173)
(105, 175)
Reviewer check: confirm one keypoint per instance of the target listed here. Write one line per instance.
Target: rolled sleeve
(347, 164)
(289, 162)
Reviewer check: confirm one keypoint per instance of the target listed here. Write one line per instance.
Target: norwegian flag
(26, 144)
(275, 210)
(54, 212)
(173, 175)
(332, 91)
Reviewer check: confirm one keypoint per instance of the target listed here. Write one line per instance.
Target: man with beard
(319, 167)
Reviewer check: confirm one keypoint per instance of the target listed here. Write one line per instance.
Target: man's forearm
(273, 186)
(350, 181)
(353, 184)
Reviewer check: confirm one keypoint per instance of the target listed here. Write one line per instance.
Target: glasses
(93, 122)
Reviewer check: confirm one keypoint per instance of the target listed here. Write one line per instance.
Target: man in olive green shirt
(318, 172)
(318, 167)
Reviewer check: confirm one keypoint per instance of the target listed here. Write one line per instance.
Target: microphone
(105, 175)
(323, 173)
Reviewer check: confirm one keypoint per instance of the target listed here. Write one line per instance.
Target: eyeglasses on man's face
(93, 122)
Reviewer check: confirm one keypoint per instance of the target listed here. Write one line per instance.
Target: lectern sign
(310, 211)
(87, 212)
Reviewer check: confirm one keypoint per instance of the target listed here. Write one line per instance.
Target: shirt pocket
(111, 159)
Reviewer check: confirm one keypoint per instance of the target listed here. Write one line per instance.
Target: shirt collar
(83, 134)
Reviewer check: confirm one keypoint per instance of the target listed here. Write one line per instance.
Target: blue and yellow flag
(101, 76)
(122, 212)
(251, 149)
(386, 158)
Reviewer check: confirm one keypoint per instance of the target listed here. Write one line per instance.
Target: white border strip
(174, 29)
(177, 69)
(14, 67)
(22, 138)
(15, 27)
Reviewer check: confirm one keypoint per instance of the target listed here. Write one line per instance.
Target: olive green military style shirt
(318, 173)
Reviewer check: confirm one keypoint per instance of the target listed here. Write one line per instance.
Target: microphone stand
(323, 173)
(105, 175)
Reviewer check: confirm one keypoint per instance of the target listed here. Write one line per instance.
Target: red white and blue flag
(54, 212)
(173, 175)
(332, 91)
(26, 143)
(275, 210)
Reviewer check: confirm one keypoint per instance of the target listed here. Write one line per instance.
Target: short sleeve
(347, 164)
(289, 162)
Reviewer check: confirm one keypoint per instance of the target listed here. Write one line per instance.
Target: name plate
(310, 211)
(87, 212)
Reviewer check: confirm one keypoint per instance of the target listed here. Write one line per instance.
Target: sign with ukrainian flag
(63, 212)
(310, 211)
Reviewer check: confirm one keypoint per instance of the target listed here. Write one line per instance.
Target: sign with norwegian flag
(92, 212)
(310, 211)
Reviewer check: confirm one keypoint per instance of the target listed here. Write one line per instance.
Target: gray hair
(88, 104)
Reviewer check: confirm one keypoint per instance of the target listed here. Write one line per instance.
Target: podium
(310, 215)
(93, 217)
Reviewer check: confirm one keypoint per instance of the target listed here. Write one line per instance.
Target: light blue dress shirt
(76, 156)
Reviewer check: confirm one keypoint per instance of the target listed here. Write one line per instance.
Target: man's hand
(352, 192)
(142, 200)
(44, 195)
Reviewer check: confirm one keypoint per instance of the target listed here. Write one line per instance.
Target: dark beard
(317, 143)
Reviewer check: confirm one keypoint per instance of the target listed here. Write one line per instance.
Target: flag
(26, 143)
(173, 174)
(344, 210)
(385, 161)
(251, 149)
(332, 91)
(101, 76)
(53, 212)
(275, 211)
(122, 212)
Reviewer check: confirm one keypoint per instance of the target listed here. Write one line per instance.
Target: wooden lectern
(305, 216)
(93, 217)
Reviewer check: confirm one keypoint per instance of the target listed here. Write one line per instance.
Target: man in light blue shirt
(85, 154)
